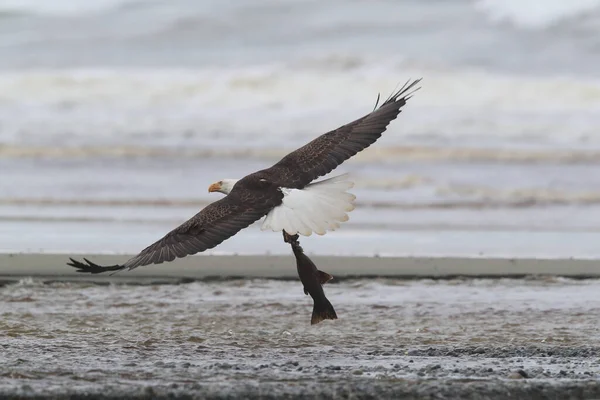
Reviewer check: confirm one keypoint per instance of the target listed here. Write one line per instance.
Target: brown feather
(217, 222)
(325, 153)
(211, 226)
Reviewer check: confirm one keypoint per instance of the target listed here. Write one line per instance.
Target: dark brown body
(313, 281)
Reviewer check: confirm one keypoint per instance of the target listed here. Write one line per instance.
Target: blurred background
(116, 116)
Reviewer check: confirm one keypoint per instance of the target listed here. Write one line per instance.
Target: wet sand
(14, 266)
(459, 338)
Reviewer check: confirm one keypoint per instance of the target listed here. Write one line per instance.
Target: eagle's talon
(290, 238)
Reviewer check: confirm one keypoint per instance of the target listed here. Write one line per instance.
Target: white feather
(319, 207)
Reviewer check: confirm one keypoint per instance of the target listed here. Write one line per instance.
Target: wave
(67, 34)
(445, 196)
(536, 14)
(523, 13)
(301, 83)
(59, 7)
(387, 154)
(286, 105)
(355, 225)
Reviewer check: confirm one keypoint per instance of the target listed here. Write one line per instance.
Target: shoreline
(14, 266)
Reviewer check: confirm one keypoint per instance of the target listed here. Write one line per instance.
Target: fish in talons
(313, 281)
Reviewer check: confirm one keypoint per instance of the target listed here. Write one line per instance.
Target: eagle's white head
(224, 186)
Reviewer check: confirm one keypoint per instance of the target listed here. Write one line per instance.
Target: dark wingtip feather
(92, 268)
(377, 101)
(73, 263)
(404, 93)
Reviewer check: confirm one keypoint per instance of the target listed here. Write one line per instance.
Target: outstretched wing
(211, 226)
(326, 152)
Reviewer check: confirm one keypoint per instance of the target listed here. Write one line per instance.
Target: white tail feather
(319, 207)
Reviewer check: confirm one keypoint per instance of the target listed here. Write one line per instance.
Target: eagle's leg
(290, 238)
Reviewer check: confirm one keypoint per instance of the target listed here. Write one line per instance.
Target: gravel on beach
(459, 338)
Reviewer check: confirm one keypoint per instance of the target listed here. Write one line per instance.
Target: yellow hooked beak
(215, 187)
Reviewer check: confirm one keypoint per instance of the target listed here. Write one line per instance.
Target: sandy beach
(230, 326)
(15, 266)
(454, 338)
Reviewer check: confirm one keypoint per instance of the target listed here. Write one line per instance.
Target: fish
(313, 280)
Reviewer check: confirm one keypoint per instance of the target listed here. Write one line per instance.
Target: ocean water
(116, 116)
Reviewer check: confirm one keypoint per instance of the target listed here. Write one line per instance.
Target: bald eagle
(285, 193)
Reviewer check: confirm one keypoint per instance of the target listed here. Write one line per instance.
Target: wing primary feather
(394, 92)
(405, 90)
(377, 101)
(325, 153)
(92, 268)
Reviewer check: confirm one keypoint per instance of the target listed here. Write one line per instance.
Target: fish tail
(322, 310)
